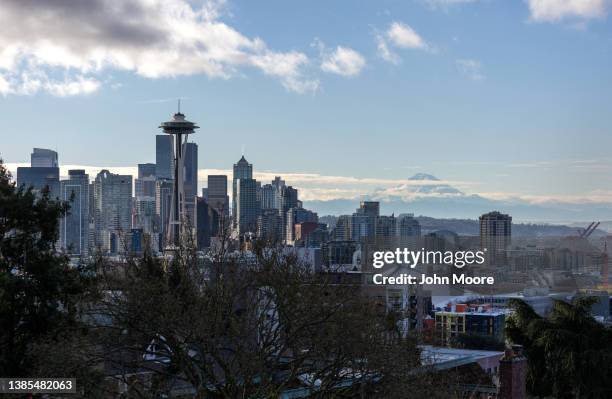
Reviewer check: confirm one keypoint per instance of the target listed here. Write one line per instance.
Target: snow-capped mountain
(419, 185)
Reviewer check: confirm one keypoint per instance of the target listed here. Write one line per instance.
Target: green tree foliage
(39, 291)
(569, 353)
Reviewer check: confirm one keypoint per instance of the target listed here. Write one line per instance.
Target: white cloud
(403, 36)
(343, 61)
(470, 68)
(399, 35)
(384, 52)
(79, 41)
(318, 187)
(78, 85)
(557, 10)
(32, 80)
(312, 186)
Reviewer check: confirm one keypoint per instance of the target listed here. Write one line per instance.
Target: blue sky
(500, 98)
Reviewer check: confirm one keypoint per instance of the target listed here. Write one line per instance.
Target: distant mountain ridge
(444, 201)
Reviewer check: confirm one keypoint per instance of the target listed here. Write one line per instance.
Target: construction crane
(589, 230)
(582, 237)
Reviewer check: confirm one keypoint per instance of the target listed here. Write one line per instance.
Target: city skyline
(466, 91)
(357, 198)
(421, 194)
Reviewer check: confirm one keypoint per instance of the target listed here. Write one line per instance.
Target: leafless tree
(237, 325)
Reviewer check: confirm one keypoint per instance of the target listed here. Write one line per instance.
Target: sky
(504, 99)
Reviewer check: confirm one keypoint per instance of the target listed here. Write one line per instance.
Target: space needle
(180, 128)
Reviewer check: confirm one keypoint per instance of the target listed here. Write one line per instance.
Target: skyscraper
(242, 170)
(269, 197)
(495, 236)
(363, 221)
(146, 170)
(386, 226)
(145, 183)
(216, 194)
(278, 182)
(190, 181)
(164, 156)
(163, 201)
(42, 174)
(145, 216)
(258, 190)
(145, 187)
(294, 216)
(247, 208)
(91, 241)
(288, 199)
(207, 223)
(386, 232)
(74, 226)
(43, 158)
(342, 230)
(113, 209)
(408, 226)
(370, 208)
(270, 225)
(40, 178)
(190, 176)
(145, 219)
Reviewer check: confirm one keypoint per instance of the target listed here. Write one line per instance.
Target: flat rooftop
(444, 358)
(450, 312)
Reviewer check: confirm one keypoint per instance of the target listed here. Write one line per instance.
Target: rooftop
(445, 358)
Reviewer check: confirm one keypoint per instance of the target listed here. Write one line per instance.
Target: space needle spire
(180, 128)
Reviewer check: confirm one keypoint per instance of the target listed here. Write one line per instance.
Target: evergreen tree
(39, 290)
(569, 353)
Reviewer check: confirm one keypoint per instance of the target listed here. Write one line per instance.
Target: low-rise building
(464, 320)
